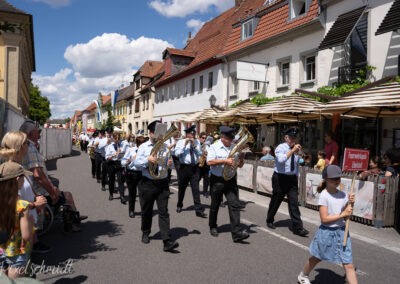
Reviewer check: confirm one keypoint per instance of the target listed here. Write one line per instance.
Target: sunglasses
(204, 137)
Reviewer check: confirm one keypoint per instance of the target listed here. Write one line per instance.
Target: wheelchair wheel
(46, 218)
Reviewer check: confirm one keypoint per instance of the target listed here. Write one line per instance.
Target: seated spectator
(14, 147)
(266, 151)
(16, 225)
(34, 161)
(391, 160)
(320, 165)
(375, 168)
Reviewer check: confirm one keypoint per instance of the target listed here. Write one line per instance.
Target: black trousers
(132, 180)
(205, 175)
(98, 158)
(151, 191)
(285, 185)
(189, 174)
(220, 187)
(177, 165)
(114, 169)
(93, 166)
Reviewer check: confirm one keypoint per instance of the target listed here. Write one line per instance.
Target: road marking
(247, 222)
(299, 245)
(290, 241)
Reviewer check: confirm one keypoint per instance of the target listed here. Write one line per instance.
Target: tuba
(162, 154)
(245, 137)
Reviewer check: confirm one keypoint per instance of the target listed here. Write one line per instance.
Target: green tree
(110, 118)
(39, 107)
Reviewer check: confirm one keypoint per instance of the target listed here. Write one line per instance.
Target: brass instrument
(203, 157)
(91, 151)
(162, 154)
(245, 137)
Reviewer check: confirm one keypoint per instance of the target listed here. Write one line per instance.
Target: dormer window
(248, 29)
(298, 8)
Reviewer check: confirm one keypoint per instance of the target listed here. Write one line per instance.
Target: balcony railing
(348, 73)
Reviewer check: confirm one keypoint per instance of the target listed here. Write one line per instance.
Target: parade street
(109, 248)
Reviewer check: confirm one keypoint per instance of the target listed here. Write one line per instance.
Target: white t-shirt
(26, 193)
(335, 203)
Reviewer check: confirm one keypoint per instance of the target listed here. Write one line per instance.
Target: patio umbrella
(382, 100)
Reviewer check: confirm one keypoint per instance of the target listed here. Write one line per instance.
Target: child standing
(327, 244)
(16, 225)
(320, 165)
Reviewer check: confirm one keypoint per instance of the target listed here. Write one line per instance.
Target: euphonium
(245, 137)
(162, 154)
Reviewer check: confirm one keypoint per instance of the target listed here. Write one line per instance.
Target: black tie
(192, 161)
(115, 146)
(292, 163)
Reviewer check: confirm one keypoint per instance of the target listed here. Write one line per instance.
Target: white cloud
(100, 65)
(195, 25)
(55, 3)
(111, 53)
(182, 8)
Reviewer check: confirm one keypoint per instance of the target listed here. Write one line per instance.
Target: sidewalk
(387, 238)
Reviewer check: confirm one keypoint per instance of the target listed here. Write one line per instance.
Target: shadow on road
(67, 246)
(177, 233)
(51, 165)
(328, 277)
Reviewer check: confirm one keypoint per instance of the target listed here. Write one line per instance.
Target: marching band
(145, 165)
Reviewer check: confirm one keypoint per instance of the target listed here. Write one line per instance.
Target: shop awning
(391, 22)
(342, 28)
(381, 100)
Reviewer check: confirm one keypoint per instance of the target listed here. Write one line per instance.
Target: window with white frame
(284, 73)
(309, 68)
(186, 87)
(193, 86)
(178, 90)
(254, 86)
(201, 84)
(298, 8)
(147, 101)
(248, 29)
(235, 85)
(210, 80)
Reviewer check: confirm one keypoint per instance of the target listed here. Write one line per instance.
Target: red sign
(355, 160)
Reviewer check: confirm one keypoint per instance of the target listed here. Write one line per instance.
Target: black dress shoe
(222, 204)
(131, 214)
(103, 188)
(201, 214)
(301, 232)
(240, 236)
(214, 232)
(145, 238)
(178, 209)
(271, 225)
(170, 245)
(110, 197)
(123, 200)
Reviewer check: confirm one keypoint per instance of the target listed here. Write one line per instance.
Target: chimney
(189, 38)
(237, 2)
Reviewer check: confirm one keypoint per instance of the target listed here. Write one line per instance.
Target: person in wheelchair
(42, 185)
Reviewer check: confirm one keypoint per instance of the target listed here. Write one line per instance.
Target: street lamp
(212, 101)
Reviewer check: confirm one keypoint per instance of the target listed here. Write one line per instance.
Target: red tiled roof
(180, 52)
(222, 35)
(270, 24)
(91, 107)
(151, 68)
(106, 99)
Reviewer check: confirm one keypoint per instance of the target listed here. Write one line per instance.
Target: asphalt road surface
(109, 248)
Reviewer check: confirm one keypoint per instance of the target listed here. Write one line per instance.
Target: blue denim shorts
(327, 244)
(17, 261)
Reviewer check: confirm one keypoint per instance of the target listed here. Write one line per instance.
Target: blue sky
(83, 47)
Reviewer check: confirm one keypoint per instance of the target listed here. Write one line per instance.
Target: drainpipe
(227, 82)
